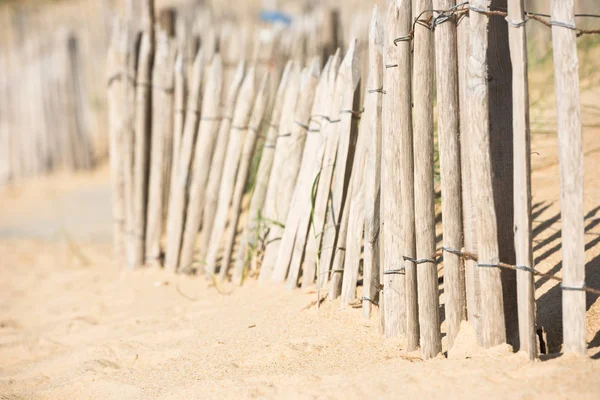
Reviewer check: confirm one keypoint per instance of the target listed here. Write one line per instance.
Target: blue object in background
(275, 16)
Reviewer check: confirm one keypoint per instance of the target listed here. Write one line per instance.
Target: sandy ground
(74, 325)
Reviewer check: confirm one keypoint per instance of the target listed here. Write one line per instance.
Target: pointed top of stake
(260, 104)
(315, 67)
(285, 76)
(234, 87)
(350, 68)
(244, 101)
(376, 31)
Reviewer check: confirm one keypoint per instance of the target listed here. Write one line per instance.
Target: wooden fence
(245, 158)
(51, 107)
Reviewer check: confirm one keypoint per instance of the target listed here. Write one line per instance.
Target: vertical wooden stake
(397, 180)
(330, 128)
(251, 234)
(277, 200)
(429, 317)
(179, 98)
(448, 139)
(254, 127)
(162, 129)
(350, 73)
(116, 103)
(141, 148)
(218, 160)
(522, 178)
(372, 173)
(369, 128)
(237, 132)
(570, 153)
(179, 186)
(468, 206)
(208, 128)
(296, 225)
(492, 323)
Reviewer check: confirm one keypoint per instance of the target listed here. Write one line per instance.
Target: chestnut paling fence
(234, 153)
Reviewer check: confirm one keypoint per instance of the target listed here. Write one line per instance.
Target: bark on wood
(210, 121)
(356, 212)
(349, 114)
(179, 186)
(570, 155)
(448, 139)
(237, 132)
(253, 230)
(522, 180)
(218, 160)
(161, 143)
(492, 323)
(254, 127)
(278, 195)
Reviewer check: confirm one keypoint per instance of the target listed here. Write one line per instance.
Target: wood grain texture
(330, 129)
(254, 127)
(253, 230)
(570, 155)
(291, 248)
(116, 66)
(429, 317)
(396, 176)
(161, 143)
(356, 192)
(468, 205)
(492, 324)
(278, 197)
(179, 186)
(347, 134)
(208, 128)
(522, 180)
(449, 150)
(217, 162)
(372, 172)
(141, 148)
(308, 88)
(237, 134)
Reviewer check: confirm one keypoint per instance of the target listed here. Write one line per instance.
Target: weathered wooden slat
(161, 144)
(294, 228)
(349, 114)
(372, 276)
(208, 129)
(570, 155)
(218, 160)
(449, 142)
(330, 127)
(299, 132)
(239, 125)
(254, 127)
(369, 126)
(252, 232)
(492, 325)
(277, 199)
(141, 156)
(397, 234)
(179, 186)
